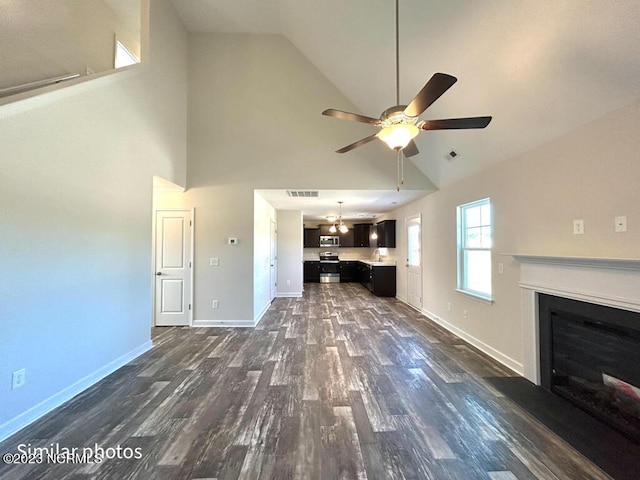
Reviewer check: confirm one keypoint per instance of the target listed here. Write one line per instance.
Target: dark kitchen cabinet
(386, 231)
(365, 272)
(346, 239)
(348, 271)
(312, 237)
(380, 280)
(383, 282)
(311, 272)
(362, 234)
(324, 230)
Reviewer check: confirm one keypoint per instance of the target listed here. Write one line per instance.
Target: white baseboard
(402, 299)
(34, 413)
(232, 323)
(224, 323)
(479, 344)
(289, 294)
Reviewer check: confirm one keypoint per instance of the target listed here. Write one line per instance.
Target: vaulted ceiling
(539, 68)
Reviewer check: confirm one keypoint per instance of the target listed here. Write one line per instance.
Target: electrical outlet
(578, 227)
(19, 378)
(500, 267)
(214, 262)
(449, 306)
(215, 304)
(621, 224)
(288, 282)
(465, 313)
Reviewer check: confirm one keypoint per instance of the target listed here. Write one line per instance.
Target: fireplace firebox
(590, 356)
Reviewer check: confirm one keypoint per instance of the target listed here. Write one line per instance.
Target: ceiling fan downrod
(397, 53)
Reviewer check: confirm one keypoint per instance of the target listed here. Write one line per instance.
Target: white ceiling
(361, 205)
(539, 68)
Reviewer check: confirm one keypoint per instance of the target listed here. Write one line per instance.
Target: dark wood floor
(338, 384)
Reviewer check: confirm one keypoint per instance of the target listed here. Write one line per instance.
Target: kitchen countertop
(366, 261)
(388, 263)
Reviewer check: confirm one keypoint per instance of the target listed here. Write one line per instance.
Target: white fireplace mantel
(613, 282)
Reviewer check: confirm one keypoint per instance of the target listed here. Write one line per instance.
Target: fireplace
(590, 356)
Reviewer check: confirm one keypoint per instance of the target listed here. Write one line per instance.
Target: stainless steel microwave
(329, 241)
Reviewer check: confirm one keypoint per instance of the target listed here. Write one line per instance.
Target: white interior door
(173, 268)
(273, 260)
(414, 262)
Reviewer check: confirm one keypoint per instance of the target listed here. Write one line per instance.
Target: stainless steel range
(329, 267)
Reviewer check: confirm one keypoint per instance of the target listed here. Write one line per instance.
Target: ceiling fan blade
(332, 112)
(434, 88)
(363, 141)
(411, 149)
(455, 123)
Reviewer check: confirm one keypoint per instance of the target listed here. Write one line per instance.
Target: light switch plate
(214, 262)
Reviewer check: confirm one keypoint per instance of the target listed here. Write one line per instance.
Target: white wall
(591, 173)
(45, 38)
(290, 278)
(255, 122)
(75, 211)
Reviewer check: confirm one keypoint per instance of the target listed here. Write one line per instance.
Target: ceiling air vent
(451, 155)
(303, 193)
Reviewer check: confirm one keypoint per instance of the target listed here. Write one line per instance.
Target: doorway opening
(414, 261)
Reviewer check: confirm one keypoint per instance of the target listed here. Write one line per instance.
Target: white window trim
(460, 252)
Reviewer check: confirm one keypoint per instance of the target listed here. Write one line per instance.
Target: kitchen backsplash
(345, 253)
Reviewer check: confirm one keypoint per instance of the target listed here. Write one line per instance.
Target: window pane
(478, 271)
(124, 57)
(413, 240)
(486, 214)
(472, 216)
(473, 237)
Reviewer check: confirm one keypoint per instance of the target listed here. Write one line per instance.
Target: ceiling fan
(400, 124)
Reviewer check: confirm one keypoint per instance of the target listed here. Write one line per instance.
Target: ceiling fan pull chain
(401, 167)
(398, 168)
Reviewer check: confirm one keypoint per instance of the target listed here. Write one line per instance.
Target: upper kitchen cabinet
(346, 239)
(311, 237)
(362, 234)
(324, 230)
(386, 231)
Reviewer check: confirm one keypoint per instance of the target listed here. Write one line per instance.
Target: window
(474, 248)
(123, 57)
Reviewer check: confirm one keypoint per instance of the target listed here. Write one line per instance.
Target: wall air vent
(303, 193)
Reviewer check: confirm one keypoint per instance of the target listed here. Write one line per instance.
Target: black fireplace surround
(590, 356)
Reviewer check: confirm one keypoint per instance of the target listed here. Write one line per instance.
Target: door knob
(158, 273)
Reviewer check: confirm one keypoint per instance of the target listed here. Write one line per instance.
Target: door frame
(192, 210)
(273, 259)
(408, 219)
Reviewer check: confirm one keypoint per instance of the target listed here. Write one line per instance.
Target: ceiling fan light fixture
(343, 228)
(398, 135)
(333, 228)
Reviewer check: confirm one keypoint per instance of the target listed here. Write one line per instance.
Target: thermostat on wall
(233, 241)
